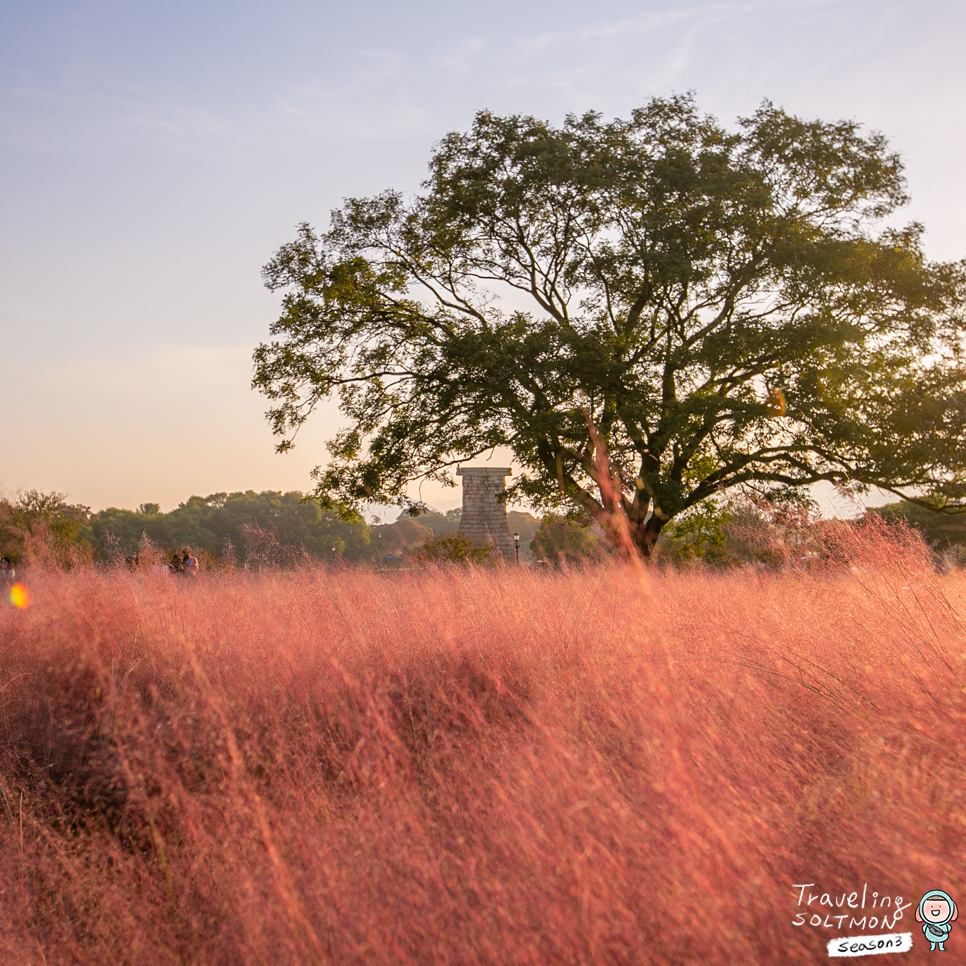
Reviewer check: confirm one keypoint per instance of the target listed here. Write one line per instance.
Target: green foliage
(564, 539)
(772, 528)
(439, 523)
(698, 534)
(44, 529)
(237, 520)
(775, 528)
(939, 530)
(403, 536)
(708, 308)
(10, 541)
(526, 524)
(454, 549)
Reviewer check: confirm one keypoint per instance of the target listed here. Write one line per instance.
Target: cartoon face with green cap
(937, 912)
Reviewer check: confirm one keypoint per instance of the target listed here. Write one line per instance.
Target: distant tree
(453, 548)
(698, 534)
(403, 536)
(45, 528)
(938, 529)
(10, 541)
(774, 528)
(526, 524)
(214, 522)
(708, 307)
(447, 522)
(120, 531)
(564, 539)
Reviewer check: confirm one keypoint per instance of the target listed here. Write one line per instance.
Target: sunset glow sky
(153, 155)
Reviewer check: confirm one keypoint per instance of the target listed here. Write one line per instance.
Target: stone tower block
(484, 513)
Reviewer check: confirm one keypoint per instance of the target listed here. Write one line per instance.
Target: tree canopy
(221, 520)
(46, 526)
(647, 311)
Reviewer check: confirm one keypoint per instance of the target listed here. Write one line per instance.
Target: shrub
(452, 548)
(562, 539)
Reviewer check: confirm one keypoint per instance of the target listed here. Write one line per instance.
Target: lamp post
(516, 547)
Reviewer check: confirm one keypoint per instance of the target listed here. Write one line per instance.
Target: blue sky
(154, 155)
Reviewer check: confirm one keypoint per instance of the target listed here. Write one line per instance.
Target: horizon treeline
(241, 525)
(276, 528)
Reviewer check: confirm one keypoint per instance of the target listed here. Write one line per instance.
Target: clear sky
(154, 154)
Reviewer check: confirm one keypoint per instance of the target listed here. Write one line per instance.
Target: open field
(444, 767)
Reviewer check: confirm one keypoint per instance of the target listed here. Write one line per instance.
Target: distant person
(177, 564)
(7, 573)
(189, 563)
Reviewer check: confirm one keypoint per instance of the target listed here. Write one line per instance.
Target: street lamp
(516, 546)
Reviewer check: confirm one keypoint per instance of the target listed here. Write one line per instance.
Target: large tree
(706, 307)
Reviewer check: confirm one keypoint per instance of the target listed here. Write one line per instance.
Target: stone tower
(484, 514)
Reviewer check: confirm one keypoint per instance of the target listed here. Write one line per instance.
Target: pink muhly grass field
(477, 767)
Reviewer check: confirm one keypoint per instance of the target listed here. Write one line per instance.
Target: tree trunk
(645, 534)
(628, 536)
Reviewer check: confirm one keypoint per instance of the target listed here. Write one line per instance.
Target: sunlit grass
(461, 767)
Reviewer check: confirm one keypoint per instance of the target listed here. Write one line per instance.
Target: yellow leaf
(776, 403)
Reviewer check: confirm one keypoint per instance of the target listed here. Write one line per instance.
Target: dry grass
(616, 766)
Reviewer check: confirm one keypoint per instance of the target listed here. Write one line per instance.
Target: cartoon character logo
(937, 912)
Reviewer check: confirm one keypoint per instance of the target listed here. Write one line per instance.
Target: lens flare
(19, 596)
